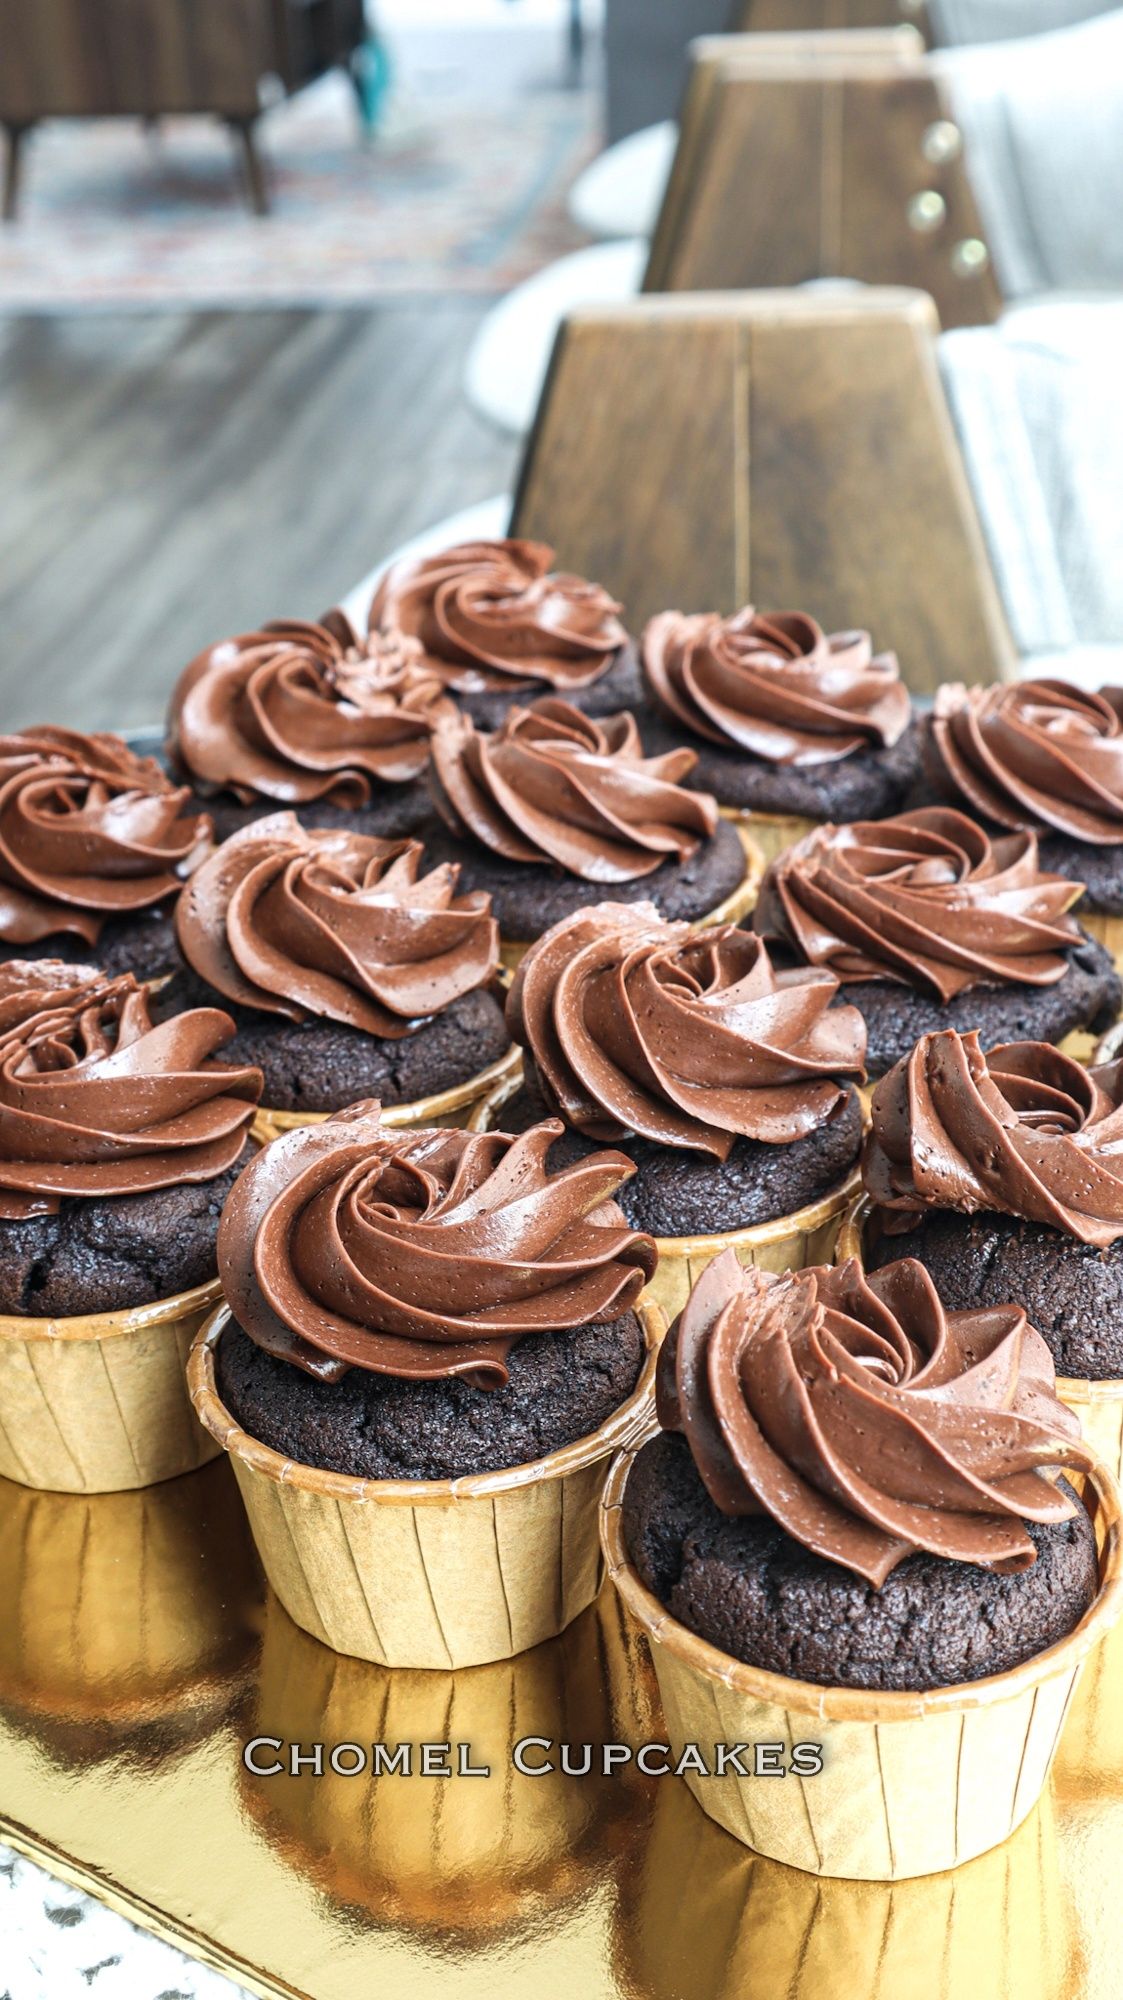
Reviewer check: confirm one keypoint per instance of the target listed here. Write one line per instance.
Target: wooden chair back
(790, 449)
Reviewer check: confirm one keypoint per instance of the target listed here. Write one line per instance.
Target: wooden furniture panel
(826, 155)
(784, 448)
(794, 16)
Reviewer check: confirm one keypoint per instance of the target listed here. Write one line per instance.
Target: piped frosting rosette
(775, 685)
(866, 1421)
(298, 711)
(494, 615)
(1024, 1131)
(96, 1102)
(335, 926)
(423, 1254)
(927, 899)
(88, 831)
(686, 1038)
(1035, 754)
(553, 785)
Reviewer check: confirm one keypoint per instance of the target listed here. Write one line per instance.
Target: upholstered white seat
(510, 354)
(620, 193)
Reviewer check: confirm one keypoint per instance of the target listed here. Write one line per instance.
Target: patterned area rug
(471, 198)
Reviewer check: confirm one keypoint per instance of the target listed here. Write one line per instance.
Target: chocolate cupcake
(1043, 757)
(119, 1142)
(930, 924)
(498, 625)
(437, 1322)
(553, 810)
(730, 1086)
(95, 845)
(795, 725)
(347, 971)
(331, 723)
(854, 1517)
(1003, 1175)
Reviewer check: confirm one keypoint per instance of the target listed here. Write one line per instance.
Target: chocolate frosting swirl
(423, 1254)
(773, 684)
(335, 926)
(866, 1421)
(297, 712)
(688, 1038)
(494, 615)
(1036, 754)
(88, 830)
(95, 1101)
(551, 784)
(927, 899)
(1022, 1131)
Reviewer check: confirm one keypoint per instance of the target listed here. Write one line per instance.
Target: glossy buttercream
(495, 615)
(927, 899)
(1023, 1131)
(298, 711)
(775, 685)
(686, 1038)
(88, 831)
(1036, 754)
(335, 926)
(866, 1421)
(423, 1254)
(552, 785)
(95, 1101)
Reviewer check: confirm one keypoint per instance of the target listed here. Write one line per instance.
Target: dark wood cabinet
(154, 58)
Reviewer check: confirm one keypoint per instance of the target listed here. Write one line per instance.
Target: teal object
(372, 75)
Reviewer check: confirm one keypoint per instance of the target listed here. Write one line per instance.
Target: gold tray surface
(139, 1651)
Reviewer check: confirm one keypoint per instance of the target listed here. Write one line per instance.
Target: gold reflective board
(139, 1653)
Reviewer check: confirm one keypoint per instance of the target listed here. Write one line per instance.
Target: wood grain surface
(171, 478)
(790, 448)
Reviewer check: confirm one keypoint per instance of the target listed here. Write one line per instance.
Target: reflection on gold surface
(1090, 1757)
(461, 1854)
(137, 1657)
(124, 1614)
(701, 1917)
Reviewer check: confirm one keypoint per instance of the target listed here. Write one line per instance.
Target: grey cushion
(1043, 123)
(996, 20)
(1040, 419)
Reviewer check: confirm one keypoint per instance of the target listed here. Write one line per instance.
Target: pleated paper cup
(911, 1783)
(733, 910)
(1099, 1405)
(789, 1243)
(772, 833)
(462, 1853)
(1109, 931)
(445, 1107)
(99, 1404)
(427, 1573)
(115, 1636)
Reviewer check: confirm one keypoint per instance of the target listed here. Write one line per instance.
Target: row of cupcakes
(725, 1059)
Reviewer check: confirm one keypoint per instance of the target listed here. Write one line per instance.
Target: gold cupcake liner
(462, 1853)
(732, 911)
(445, 1107)
(426, 1573)
(99, 1404)
(1109, 931)
(911, 1783)
(789, 1243)
(772, 833)
(1099, 1405)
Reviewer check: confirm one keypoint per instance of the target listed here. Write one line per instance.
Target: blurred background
(209, 416)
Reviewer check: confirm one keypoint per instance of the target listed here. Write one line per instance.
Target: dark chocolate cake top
(775, 685)
(866, 1421)
(686, 1037)
(423, 1254)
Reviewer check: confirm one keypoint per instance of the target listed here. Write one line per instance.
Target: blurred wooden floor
(166, 479)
